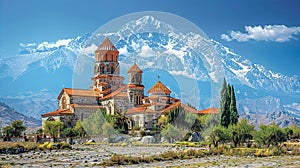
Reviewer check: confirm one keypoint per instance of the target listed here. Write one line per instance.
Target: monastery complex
(108, 91)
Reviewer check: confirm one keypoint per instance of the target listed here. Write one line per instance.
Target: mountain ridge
(187, 56)
(8, 114)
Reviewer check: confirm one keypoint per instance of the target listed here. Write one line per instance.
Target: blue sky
(264, 41)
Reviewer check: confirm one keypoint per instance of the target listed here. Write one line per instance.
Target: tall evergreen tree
(224, 105)
(234, 115)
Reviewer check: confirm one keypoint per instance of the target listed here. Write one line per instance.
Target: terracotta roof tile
(58, 113)
(106, 45)
(188, 108)
(135, 86)
(134, 68)
(79, 92)
(159, 87)
(115, 93)
(140, 110)
(209, 111)
(171, 106)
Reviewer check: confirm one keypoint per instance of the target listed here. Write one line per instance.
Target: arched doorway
(64, 103)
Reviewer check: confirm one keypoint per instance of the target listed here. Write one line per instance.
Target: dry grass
(13, 145)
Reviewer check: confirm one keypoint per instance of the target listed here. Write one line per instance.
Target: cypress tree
(224, 105)
(234, 115)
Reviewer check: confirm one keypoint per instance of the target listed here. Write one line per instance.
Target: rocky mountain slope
(8, 114)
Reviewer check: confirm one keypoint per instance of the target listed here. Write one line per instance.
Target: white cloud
(277, 33)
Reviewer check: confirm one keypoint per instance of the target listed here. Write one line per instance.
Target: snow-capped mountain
(189, 63)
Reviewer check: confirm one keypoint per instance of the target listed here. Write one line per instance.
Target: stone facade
(109, 92)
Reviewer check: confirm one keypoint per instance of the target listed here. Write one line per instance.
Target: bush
(51, 146)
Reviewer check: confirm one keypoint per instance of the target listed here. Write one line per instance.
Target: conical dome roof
(106, 45)
(159, 87)
(134, 68)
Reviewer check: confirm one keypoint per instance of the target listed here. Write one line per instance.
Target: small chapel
(108, 91)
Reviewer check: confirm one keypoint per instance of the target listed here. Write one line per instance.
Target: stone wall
(84, 100)
(82, 113)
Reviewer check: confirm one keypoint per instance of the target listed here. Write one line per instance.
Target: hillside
(8, 114)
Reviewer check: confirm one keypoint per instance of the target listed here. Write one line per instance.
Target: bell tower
(135, 89)
(106, 68)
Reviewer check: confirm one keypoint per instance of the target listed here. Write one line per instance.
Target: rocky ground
(91, 155)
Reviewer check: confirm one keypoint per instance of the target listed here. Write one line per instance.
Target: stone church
(108, 91)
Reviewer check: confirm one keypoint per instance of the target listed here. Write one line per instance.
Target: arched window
(50, 119)
(107, 68)
(102, 68)
(131, 96)
(112, 68)
(138, 99)
(64, 103)
(105, 57)
(95, 69)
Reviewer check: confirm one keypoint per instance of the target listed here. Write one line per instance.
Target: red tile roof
(134, 68)
(188, 108)
(79, 92)
(58, 113)
(140, 110)
(211, 110)
(116, 93)
(171, 106)
(106, 45)
(135, 86)
(159, 87)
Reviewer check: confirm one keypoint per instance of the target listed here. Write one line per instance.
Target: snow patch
(89, 50)
(146, 51)
(183, 73)
(46, 45)
(124, 51)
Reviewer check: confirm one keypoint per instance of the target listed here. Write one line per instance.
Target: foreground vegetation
(150, 155)
(194, 151)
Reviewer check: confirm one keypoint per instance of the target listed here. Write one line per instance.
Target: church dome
(106, 45)
(134, 68)
(159, 87)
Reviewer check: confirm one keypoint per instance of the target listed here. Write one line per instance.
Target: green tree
(53, 127)
(216, 135)
(18, 128)
(79, 131)
(190, 118)
(8, 132)
(295, 132)
(108, 130)
(228, 111)
(234, 115)
(270, 135)
(119, 122)
(39, 132)
(69, 132)
(224, 105)
(93, 124)
(170, 132)
(242, 132)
